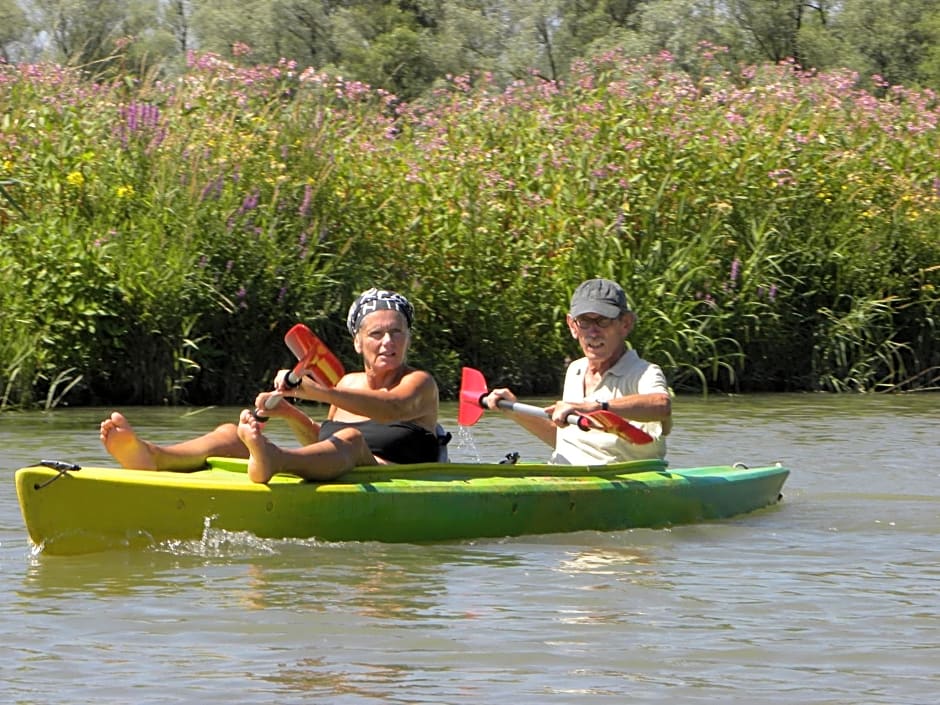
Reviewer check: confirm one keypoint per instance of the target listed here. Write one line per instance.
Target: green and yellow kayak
(68, 509)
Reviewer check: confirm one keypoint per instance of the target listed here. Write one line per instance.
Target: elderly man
(610, 377)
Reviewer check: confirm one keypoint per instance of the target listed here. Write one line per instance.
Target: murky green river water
(831, 597)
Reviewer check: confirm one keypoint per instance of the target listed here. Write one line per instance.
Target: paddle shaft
(581, 422)
(292, 380)
(473, 393)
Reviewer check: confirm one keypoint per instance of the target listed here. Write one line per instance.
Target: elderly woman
(385, 414)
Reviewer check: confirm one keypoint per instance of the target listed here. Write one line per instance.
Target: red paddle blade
(318, 360)
(472, 389)
(612, 423)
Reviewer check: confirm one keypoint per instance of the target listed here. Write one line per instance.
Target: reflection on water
(371, 586)
(314, 677)
(603, 561)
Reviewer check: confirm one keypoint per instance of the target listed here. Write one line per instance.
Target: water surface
(831, 597)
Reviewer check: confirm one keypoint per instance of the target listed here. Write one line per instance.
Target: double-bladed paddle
(470, 408)
(313, 358)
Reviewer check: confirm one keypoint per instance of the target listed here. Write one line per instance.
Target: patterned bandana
(377, 300)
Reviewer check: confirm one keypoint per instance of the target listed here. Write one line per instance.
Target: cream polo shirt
(629, 375)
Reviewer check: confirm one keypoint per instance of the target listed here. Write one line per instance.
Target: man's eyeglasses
(584, 322)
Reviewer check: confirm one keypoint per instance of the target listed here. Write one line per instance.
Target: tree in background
(384, 44)
(307, 31)
(14, 29)
(898, 40)
(175, 16)
(227, 27)
(102, 34)
(773, 27)
(929, 66)
(408, 47)
(680, 27)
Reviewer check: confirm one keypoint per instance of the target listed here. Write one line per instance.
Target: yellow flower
(75, 178)
(722, 206)
(124, 191)
(8, 165)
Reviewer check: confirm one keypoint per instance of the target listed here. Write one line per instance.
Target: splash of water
(466, 444)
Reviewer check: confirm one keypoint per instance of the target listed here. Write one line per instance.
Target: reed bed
(774, 229)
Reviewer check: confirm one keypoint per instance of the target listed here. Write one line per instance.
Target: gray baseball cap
(601, 296)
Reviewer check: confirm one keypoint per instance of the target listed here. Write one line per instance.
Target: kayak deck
(89, 509)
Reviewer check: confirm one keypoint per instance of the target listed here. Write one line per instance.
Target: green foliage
(894, 40)
(410, 47)
(774, 229)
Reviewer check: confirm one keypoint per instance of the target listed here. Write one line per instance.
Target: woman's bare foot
(122, 442)
(261, 459)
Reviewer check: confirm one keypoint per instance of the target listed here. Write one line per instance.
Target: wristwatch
(605, 406)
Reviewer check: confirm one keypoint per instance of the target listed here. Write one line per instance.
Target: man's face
(600, 337)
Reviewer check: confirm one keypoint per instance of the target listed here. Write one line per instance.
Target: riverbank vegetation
(775, 229)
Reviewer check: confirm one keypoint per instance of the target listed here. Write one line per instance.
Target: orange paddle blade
(612, 423)
(318, 359)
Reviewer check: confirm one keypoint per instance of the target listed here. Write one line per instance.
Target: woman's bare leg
(131, 451)
(323, 460)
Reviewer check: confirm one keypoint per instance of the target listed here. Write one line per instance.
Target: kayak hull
(91, 509)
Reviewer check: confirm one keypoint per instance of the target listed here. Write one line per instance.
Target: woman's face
(382, 340)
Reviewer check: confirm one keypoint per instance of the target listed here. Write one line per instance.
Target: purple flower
(212, 190)
(305, 205)
(138, 118)
(249, 203)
